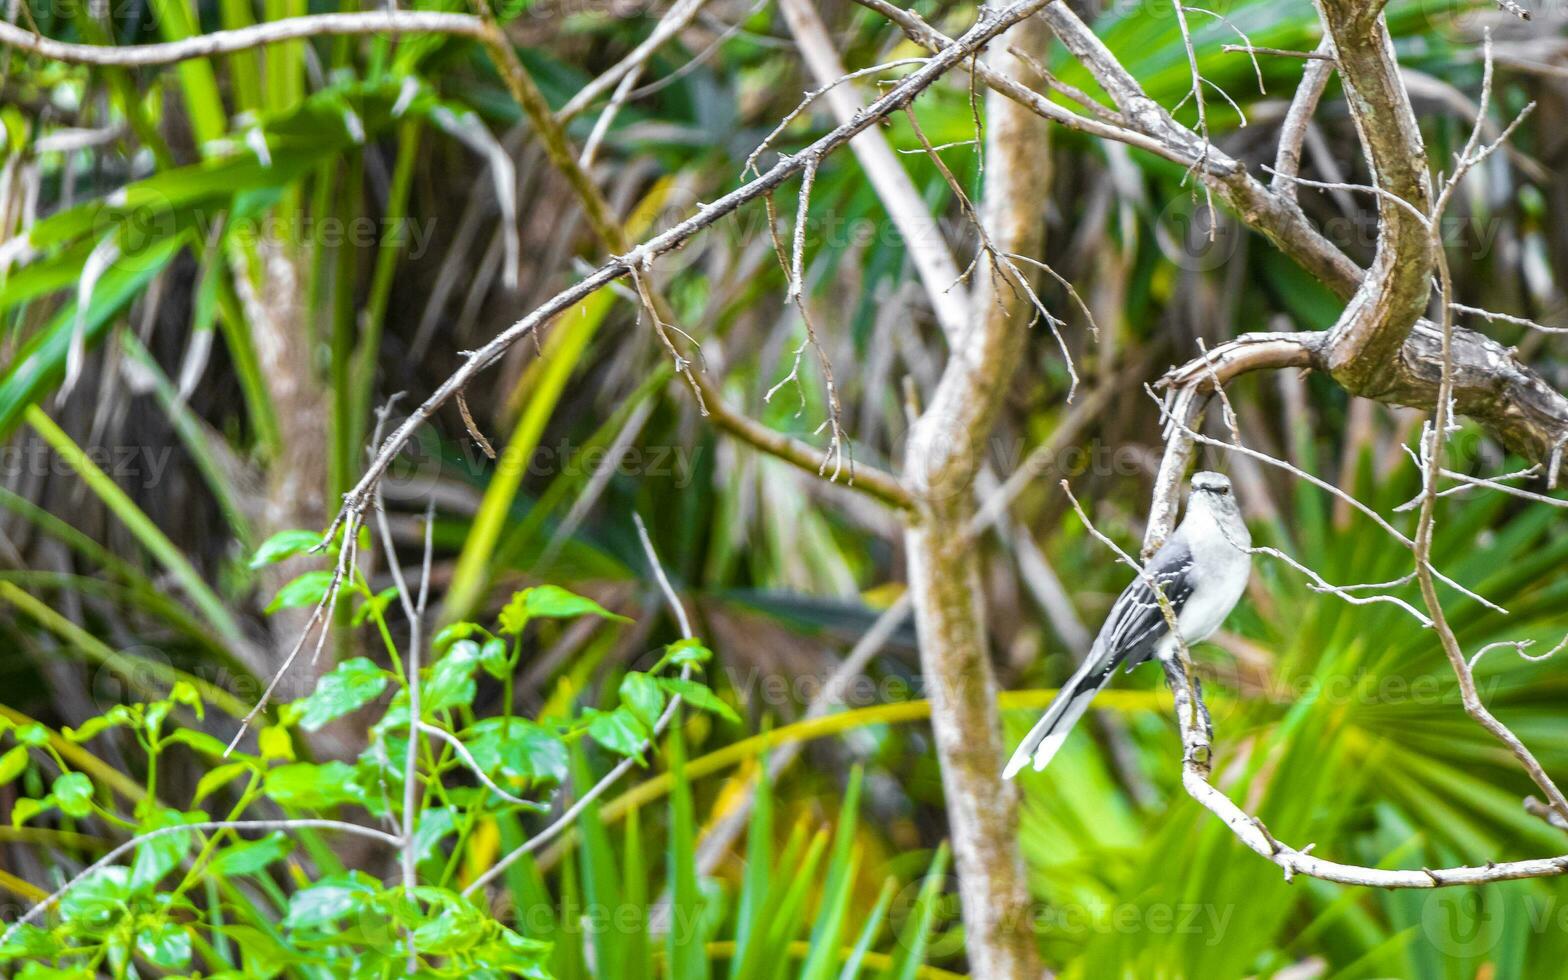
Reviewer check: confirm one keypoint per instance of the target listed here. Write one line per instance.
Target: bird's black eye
(1224, 490)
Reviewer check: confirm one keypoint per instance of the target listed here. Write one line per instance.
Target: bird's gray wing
(1136, 622)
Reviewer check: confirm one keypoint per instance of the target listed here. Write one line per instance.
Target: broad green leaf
(13, 763)
(619, 731)
(641, 695)
(184, 692)
(433, 826)
(306, 591)
(38, 970)
(165, 944)
(683, 652)
(518, 749)
(450, 682)
(33, 734)
(494, 658)
(698, 695)
(27, 808)
(329, 900)
(251, 857)
(284, 545)
(452, 925)
(550, 602)
(99, 898)
(73, 792)
(347, 687)
(274, 742)
(310, 786)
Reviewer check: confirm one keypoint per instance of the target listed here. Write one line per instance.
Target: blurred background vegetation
(214, 274)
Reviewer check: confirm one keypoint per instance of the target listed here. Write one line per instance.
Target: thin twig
(473, 429)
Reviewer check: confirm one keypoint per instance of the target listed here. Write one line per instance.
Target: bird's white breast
(1223, 566)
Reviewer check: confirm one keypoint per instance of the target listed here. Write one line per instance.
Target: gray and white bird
(1202, 569)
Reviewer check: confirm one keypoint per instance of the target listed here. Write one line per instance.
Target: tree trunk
(946, 450)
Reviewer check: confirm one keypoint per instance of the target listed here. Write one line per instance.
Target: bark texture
(945, 453)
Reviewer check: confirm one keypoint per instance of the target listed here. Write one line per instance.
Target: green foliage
(219, 167)
(257, 910)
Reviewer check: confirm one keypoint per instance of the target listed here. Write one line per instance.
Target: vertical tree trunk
(946, 450)
(294, 495)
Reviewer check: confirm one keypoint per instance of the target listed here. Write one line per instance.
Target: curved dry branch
(1196, 742)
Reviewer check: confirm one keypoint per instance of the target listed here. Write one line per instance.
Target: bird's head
(1208, 482)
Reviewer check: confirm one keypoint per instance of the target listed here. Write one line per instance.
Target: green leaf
(452, 925)
(166, 944)
(198, 740)
(549, 602)
(642, 697)
(184, 692)
(73, 792)
(284, 544)
(329, 900)
(348, 687)
(160, 855)
(619, 731)
(33, 734)
(683, 652)
(433, 826)
(99, 898)
(448, 635)
(27, 808)
(520, 749)
(375, 606)
(13, 763)
(451, 679)
(251, 857)
(118, 716)
(218, 777)
(307, 590)
(698, 696)
(274, 742)
(310, 786)
(494, 659)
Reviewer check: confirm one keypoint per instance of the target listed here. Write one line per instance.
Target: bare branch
(381, 22)
(1287, 159)
(1517, 321)
(680, 15)
(1318, 55)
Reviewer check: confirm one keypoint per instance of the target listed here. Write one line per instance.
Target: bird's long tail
(1051, 730)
